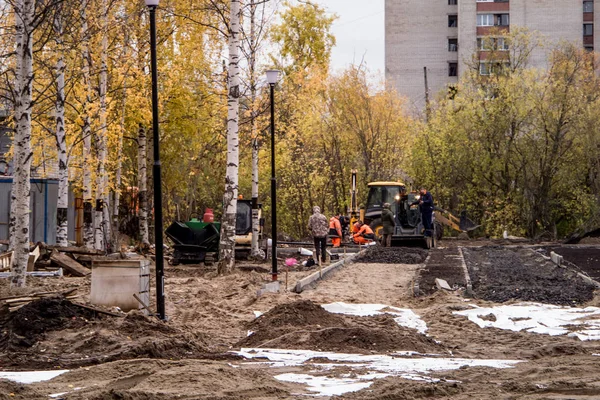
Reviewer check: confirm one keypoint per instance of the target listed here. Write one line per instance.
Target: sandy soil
(215, 314)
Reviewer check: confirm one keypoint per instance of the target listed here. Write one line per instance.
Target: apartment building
(442, 36)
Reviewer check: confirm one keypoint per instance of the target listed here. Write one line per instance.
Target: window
(484, 69)
(588, 6)
(501, 44)
(453, 44)
(588, 29)
(589, 48)
(452, 69)
(452, 2)
(485, 19)
(485, 1)
(502, 20)
(453, 21)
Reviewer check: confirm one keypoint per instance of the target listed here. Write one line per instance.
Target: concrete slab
(271, 287)
(442, 285)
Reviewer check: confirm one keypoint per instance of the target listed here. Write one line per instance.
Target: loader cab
(381, 193)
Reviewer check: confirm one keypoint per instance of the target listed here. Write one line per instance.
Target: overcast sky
(359, 31)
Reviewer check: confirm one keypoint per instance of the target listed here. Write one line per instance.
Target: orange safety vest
(334, 225)
(365, 230)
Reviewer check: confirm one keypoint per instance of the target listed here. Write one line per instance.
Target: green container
(197, 225)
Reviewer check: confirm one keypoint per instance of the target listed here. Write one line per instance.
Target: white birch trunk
(61, 145)
(255, 251)
(118, 174)
(88, 213)
(19, 33)
(24, 10)
(143, 186)
(102, 218)
(227, 243)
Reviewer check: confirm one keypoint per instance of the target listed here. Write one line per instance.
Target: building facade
(430, 43)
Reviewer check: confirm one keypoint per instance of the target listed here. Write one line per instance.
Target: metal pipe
(273, 189)
(156, 175)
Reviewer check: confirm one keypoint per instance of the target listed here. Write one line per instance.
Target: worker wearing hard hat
(365, 234)
(335, 230)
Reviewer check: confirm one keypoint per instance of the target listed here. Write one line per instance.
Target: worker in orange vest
(335, 230)
(355, 228)
(365, 234)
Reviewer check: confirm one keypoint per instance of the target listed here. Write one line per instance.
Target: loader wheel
(377, 227)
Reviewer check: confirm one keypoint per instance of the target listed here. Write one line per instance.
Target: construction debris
(70, 265)
(16, 302)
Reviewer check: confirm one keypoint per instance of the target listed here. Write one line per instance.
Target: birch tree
(61, 138)
(143, 186)
(101, 218)
(20, 194)
(86, 132)
(227, 242)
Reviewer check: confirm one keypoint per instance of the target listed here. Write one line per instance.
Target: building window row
(452, 2)
(493, 19)
(492, 44)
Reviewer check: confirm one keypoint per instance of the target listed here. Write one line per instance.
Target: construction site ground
(214, 346)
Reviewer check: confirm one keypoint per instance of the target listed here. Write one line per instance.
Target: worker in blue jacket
(425, 203)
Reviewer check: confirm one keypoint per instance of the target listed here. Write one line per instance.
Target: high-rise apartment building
(443, 35)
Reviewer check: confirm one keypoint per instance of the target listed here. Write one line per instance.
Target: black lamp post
(272, 78)
(158, 220)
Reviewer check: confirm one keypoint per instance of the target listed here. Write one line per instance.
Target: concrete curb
(562, 263)
(416, 288)
(317, 276)
(469, 290)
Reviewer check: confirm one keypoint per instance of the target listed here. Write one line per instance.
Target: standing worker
(365, 234)
(335, 230)
(318, 227)
(425, 203)
(389, 223)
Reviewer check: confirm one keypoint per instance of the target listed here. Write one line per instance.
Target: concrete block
(442, 284)
(271, 287)
(556, 258)
(115, 282)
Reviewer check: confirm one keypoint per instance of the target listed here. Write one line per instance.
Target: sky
(359, 31)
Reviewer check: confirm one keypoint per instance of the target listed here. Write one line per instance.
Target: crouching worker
(365, 234)
(335, 230)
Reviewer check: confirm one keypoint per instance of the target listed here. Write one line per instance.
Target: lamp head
(152, 3)
(272, 76)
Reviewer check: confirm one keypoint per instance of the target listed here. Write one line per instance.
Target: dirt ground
(187, 357)
(500, 274)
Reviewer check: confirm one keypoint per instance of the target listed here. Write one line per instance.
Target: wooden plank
(78, 250)
(33, 256)
(98, 310)
(68, 264)
(20, 300)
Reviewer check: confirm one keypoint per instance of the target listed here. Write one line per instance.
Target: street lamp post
(158, 220)
(272, 78)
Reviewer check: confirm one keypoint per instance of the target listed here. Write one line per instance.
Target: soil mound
(18, 391)
(393, 255)
(300, 313)
(24, 327)
(54, 331)
(306, 325)
(500, 275)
